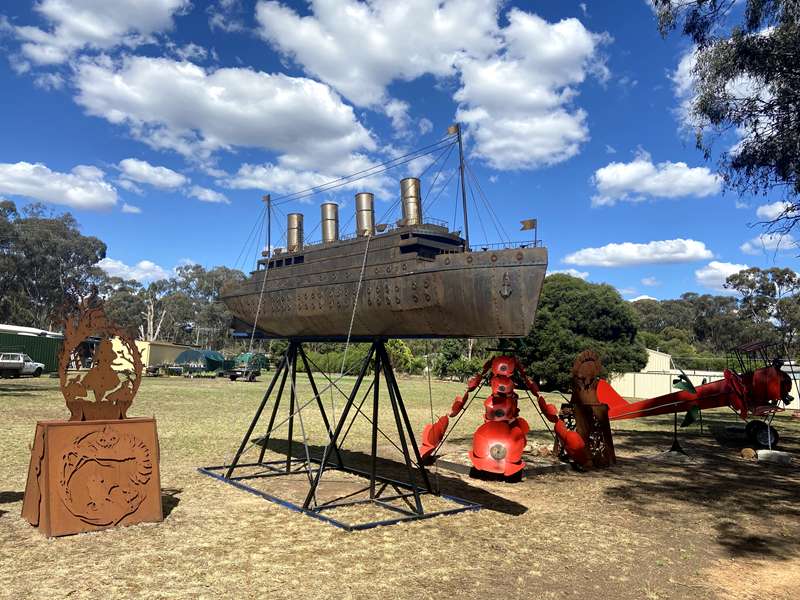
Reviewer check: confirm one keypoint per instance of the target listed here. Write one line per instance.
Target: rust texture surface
(89, 475)
(107, 389)
(98, 469)
(591, 416)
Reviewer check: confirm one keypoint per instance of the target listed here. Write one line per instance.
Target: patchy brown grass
(716, 527)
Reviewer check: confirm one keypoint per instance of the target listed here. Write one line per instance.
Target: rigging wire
(365, 173)
(477, 212)
(439, 193)
(302, 427)
(498, 223)
(352, 316)
(258, 307)
(430, 403)
(425, 203)
(250, 235)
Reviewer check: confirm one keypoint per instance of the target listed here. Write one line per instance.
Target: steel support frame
(409, 492)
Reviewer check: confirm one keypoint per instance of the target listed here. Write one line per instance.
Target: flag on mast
(528, 224)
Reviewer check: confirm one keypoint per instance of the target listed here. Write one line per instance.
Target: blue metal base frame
(217, 472)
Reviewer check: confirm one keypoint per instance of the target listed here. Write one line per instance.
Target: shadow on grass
(20, 390)
(9, 497)
(169, 500)
(452, 486)
(750, 504)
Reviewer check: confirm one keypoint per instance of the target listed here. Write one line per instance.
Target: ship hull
(459, 294)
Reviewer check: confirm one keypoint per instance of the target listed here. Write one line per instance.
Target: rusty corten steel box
(91, 475)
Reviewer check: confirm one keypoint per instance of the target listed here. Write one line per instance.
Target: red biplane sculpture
(497, 445)
(755, 394)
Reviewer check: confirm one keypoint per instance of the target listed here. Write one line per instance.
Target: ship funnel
(294, 232)
(365, 214)
(330, 222)
(412, 201)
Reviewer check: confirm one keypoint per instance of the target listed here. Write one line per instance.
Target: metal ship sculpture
(416, 279)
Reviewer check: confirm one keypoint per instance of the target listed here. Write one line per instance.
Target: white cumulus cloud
(714, 274)
(143, 271)
(74, 25)
(518, 103)
(281, 179)
(517, 83)
(84, 187)
(184, 107)
(359, 48)
(769, 242)
(629, 253)
(770, 212)
(641, 179)
(207, 195)
(143, 172)
(642, 297)
(650, 281)
(571, 272)
(131, 209)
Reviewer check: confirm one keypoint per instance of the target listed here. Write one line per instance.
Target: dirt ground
(713, 526)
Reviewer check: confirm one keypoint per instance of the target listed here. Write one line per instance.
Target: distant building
(656, 377)
(41, 345)
(153, 353)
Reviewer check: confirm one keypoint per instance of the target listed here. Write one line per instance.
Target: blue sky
(160, 123)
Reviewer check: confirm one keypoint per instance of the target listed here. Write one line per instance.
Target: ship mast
(456, 128)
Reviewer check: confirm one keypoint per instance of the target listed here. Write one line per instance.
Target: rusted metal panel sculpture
(591, 416)
(98, 469)
(417, 279)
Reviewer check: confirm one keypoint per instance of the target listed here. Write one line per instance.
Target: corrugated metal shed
(42, 347)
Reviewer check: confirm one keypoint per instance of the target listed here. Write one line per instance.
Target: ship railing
(498, 246)
(508, 245)
(432, 221)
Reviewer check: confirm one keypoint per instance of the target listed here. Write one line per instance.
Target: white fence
(656, 383)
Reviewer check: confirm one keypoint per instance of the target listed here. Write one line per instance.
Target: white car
(14, 364)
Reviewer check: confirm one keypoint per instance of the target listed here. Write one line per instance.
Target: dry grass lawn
(715, 527)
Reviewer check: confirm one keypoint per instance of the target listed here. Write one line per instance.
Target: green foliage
(746, 81)
(463, 368)
(770, 295)
(400, 355)
(573, 316)
(331, 362)
(43, 256)
(450, 350)
(699, 329)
